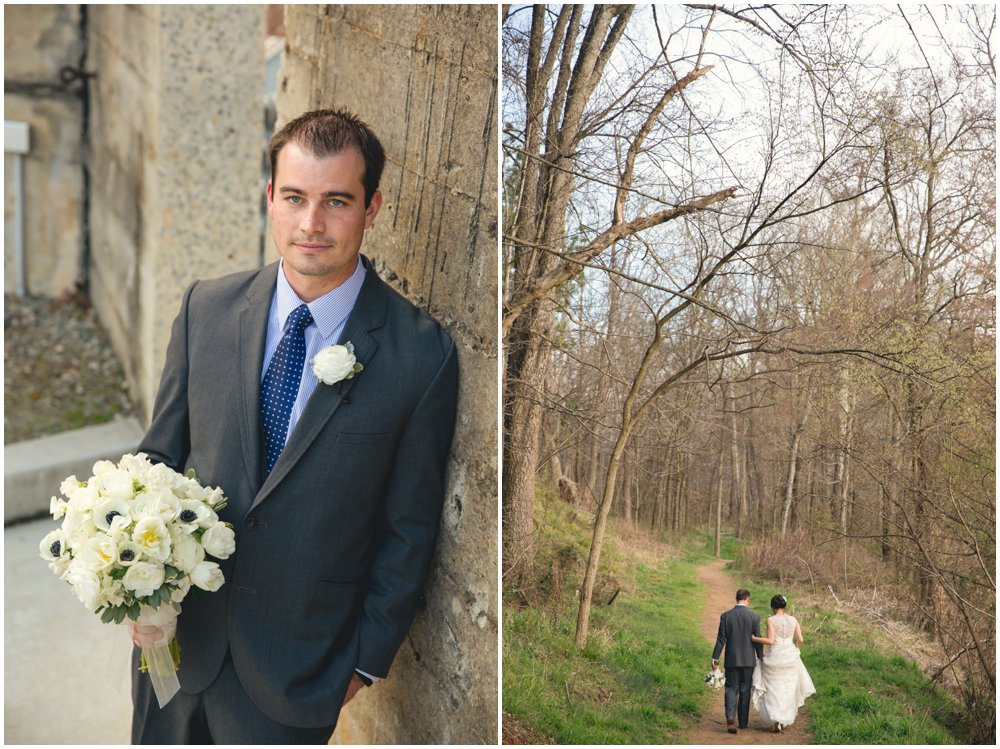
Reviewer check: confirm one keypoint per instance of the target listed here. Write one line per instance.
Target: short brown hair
(324, 132)
(742, 594)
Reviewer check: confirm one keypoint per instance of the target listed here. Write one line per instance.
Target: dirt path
(712, 727)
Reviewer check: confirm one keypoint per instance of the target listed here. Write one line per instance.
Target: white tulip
(219, 541)
(207, 576)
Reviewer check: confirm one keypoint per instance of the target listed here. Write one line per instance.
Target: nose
(312, 220)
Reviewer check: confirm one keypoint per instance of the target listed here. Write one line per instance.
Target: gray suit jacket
(332, 548)
(735, 628)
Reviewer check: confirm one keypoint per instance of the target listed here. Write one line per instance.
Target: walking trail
(712, 727)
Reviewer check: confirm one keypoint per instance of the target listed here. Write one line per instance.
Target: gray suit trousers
(222, 714)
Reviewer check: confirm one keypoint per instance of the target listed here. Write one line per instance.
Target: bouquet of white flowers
(715, 679)
(134, 539)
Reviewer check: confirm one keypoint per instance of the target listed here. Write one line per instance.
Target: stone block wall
(175, 147)
(39, 40)
(425, 79)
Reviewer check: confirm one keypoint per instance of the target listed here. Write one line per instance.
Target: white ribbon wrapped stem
(155, 631)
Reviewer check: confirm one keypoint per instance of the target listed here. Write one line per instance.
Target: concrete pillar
(425, 79)
(176, 130)
(39, 40)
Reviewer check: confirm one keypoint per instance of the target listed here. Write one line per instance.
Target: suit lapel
(367, 316)
(252, 339)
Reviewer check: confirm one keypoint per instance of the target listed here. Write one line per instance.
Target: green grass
(865, 694)
(638, 679)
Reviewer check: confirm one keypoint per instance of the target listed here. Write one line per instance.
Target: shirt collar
(329, 310)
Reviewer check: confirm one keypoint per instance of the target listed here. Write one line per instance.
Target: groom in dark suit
(736, 627)
(335, 482)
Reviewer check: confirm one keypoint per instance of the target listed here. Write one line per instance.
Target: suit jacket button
(251, 522)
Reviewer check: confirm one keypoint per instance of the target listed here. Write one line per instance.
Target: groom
(736, 627)
(335, 485)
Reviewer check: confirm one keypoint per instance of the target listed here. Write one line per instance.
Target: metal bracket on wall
(17, 141)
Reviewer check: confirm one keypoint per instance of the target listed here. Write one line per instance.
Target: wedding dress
(780, 680)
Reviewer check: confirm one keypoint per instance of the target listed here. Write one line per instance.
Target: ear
(270, 196)
(373, 208)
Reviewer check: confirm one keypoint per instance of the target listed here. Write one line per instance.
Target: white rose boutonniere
(335, 363)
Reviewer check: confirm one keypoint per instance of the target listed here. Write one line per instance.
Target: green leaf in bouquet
(190, 473)
(118, 573)
(120, 614)
(170, 572)
(221, 505)
(107, 615)
(197, 533)
(133, 612)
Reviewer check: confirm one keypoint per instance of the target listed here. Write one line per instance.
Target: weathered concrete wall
(424, 78)
(38, 41)
(176, 137)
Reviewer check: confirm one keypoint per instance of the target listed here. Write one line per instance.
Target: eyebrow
(325, 195)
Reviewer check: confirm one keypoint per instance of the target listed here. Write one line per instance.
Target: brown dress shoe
(731, 726)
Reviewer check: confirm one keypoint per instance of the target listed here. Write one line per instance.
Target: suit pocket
(361, 438)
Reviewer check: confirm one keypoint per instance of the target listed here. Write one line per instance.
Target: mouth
(311, 246)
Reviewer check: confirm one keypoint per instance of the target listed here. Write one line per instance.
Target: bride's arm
(769, 640)
(798, 635)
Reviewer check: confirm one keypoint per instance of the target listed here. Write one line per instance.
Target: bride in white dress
(780, 680)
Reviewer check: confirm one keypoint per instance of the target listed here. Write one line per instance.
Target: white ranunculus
(219, 541)
(151, 535)
(117, 484)
(143, 578)
(187, 553)
(157, 502)
(54, 545)
(98, 553)
(86, 585)
(335, 363)
(112, 509)
(161, 476)
(207, 576)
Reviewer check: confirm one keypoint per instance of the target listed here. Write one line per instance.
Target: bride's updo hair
(778, 602)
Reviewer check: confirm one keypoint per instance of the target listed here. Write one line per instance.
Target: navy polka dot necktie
(280, 387)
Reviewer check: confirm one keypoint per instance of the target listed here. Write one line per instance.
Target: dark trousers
(222, 714)
(739, 679)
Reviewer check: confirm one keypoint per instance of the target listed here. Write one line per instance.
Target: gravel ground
(59, 370)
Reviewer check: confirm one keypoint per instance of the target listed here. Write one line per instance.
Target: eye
(294, 199)
(335, 202)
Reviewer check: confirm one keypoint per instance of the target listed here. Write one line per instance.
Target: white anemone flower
(195, 514)
(111, 510)
(54, 546)
(128, 552)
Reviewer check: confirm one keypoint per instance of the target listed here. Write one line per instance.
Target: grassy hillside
(639, 678)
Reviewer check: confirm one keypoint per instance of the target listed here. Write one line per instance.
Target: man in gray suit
(736, 627)
(335, 482)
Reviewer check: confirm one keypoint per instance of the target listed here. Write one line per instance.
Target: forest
(748, 259)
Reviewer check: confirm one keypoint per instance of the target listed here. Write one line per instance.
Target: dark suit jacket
(333, 547)
(735, 628)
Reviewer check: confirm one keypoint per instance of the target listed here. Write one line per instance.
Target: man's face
(318, 217)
